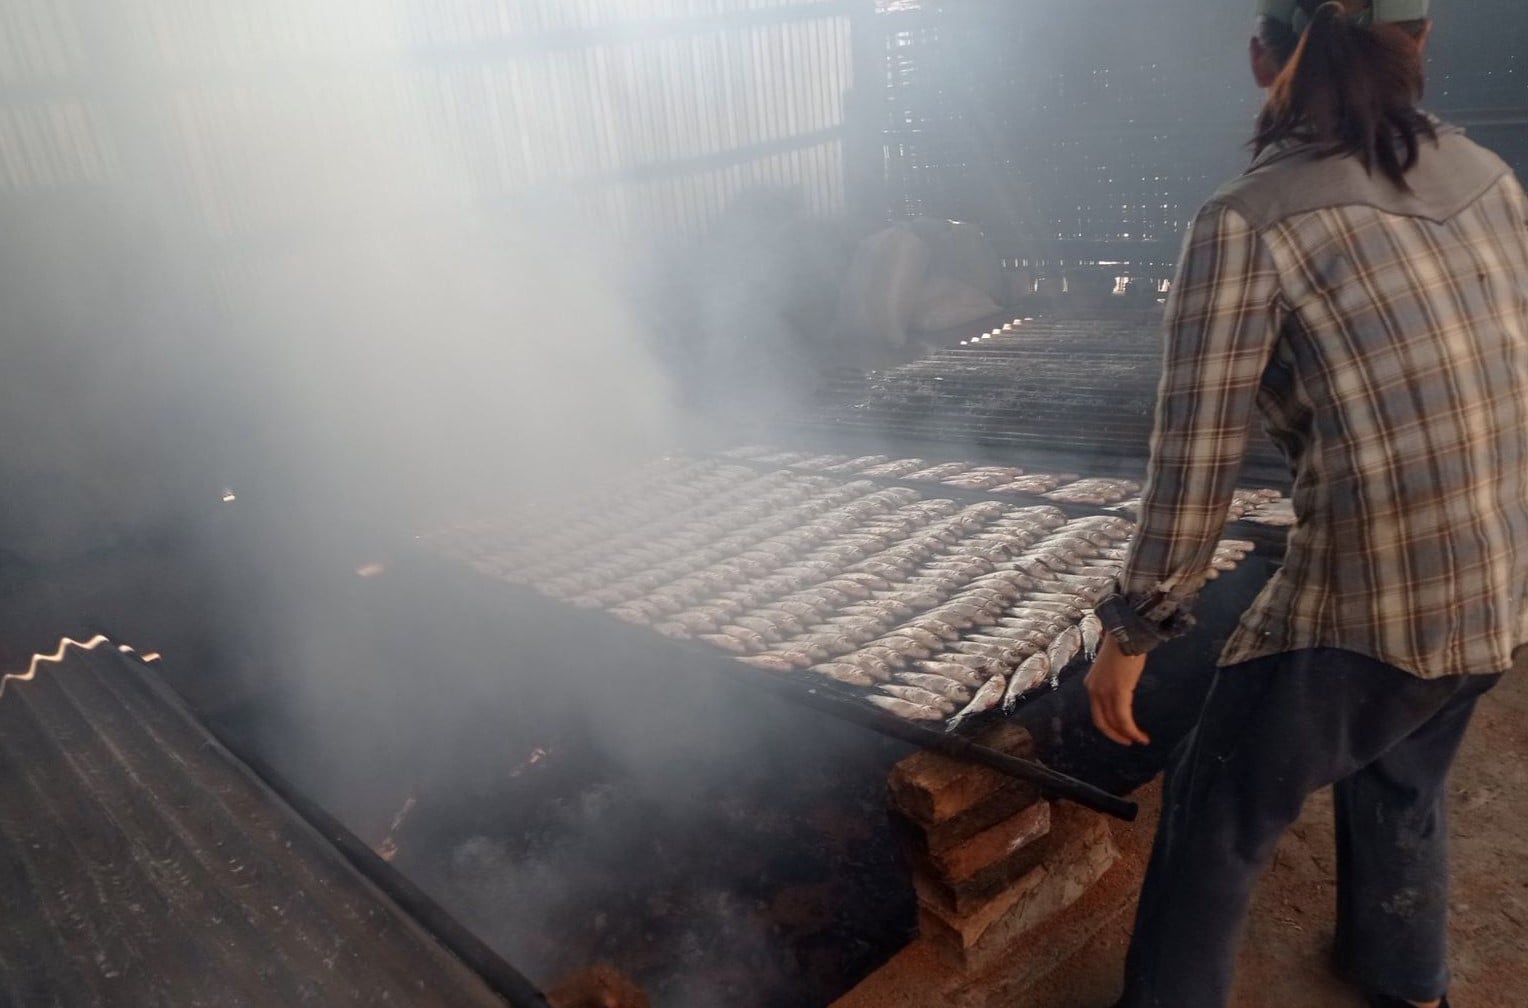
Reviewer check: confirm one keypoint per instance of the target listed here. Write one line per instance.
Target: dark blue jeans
(1272, 732)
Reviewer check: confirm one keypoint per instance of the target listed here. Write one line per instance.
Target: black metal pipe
(700, 659)
(1051, 783)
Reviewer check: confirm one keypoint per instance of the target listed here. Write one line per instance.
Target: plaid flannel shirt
(1383, 336)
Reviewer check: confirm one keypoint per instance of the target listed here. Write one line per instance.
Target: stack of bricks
(991, 860)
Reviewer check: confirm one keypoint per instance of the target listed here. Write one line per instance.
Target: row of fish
(931, 609)
(999, 659)
(997, 479)
(998, 636)
(640, 540)
(1257, 505)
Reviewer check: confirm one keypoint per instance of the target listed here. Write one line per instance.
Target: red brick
(1079, 850)
(965, 896)
(932, 789)
(991, 846)
(1004, 803)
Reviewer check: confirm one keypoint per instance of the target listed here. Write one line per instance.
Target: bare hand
(1111, 686)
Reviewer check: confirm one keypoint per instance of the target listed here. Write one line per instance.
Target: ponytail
(1351, 88)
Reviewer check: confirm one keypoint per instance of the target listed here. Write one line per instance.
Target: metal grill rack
(910, 610)
(1082, 390)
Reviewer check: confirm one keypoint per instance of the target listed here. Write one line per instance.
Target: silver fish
(903, 709)
(770, 662)
(995, 553)
(977, 664)
(876, 668)
(894, 569)
(881, 609)
(969, 566)
(1067, 610)
(1007, 652)
(801, 610)
(989, 696)
(810, 650)
(789, 625)
(857, 631)
(832, 643)
(1037, 567)
(1019, 630)
(765, 628)
(1025, 678)
(912, 694)
(729, 643)
(750, 638)
(927, 638)
(852, 620)
(905, 646)
(1092, 634)
(895, 659)
(947, 688)
(1007, 580)
(847, 588)
(826, 596)
(953, 671)
(939, 628)
(1064, 648)
(959, 615)
(872, 581)
(927, 594)
(847, 674)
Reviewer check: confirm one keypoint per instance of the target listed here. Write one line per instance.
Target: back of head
(1352, 75)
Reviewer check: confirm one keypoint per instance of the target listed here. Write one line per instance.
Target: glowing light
(537, 755)
(388, 848)
(152, 656)
(370, 569)
(55, 658)
(229, 496)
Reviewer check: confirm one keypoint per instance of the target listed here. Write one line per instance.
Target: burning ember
(388, 848)
(537, 755)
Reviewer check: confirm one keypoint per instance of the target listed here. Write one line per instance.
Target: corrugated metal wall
(1093, 130)
(650, 114)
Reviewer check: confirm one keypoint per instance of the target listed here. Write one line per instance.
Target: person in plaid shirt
(1363, 287)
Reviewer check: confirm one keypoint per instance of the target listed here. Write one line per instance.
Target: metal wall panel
(652, 114)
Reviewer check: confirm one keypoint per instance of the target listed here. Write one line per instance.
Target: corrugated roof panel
(142, 864)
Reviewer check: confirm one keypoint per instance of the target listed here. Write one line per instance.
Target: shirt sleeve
(1222, 321)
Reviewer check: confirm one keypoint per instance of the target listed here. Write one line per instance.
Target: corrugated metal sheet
(141, 864)
(650, 114)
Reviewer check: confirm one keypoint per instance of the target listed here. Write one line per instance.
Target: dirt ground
(1284, 956)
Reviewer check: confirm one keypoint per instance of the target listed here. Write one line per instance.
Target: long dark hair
(1348, 87)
